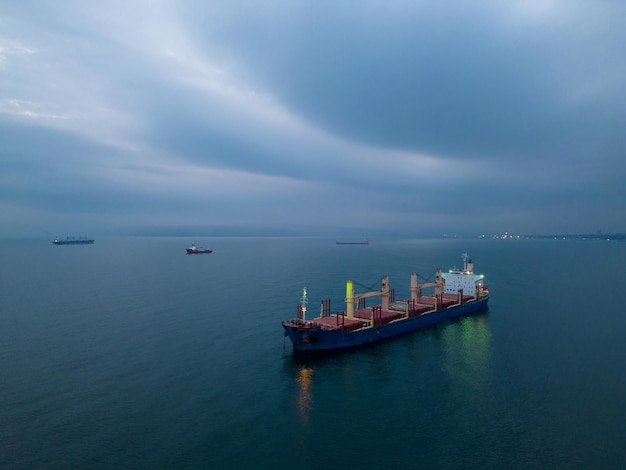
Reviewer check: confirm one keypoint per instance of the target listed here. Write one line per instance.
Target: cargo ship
(73, 241)
(453, 294)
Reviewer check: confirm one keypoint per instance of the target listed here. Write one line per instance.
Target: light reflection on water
(467, 353)
(304, 380)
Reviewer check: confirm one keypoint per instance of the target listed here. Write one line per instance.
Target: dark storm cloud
(458, 116)
(441, 77)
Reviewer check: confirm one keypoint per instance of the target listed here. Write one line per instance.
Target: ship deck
(397, 310)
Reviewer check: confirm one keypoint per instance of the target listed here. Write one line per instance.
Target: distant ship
(194, 250)
(364, 242)
(456, 293)
(73, 241)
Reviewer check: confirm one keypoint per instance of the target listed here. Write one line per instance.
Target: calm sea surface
(130, 354)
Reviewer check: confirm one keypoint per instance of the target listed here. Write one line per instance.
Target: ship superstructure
(463, 279)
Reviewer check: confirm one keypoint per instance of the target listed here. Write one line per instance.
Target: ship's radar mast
(465, 258)
(468, 266)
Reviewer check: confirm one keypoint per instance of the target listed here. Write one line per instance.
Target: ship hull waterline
(307, 339)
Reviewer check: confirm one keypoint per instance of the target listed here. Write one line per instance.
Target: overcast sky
(420, 117)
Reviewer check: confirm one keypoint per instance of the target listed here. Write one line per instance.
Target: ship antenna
(465, 257)
(303, 302)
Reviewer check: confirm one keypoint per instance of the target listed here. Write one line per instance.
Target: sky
(317, 117)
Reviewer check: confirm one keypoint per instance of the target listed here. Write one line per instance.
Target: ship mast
(465, 257)
(303, 302)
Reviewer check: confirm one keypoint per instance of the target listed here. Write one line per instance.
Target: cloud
(456, 116)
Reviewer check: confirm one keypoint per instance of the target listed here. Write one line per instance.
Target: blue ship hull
(310, 339)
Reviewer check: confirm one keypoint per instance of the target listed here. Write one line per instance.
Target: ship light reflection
(304, 397)
(468, 354)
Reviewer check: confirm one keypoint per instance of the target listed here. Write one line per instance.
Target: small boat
(194, 250)
(73, 241)
(456, 293)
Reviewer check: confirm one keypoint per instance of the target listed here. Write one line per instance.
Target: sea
(130, 354)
